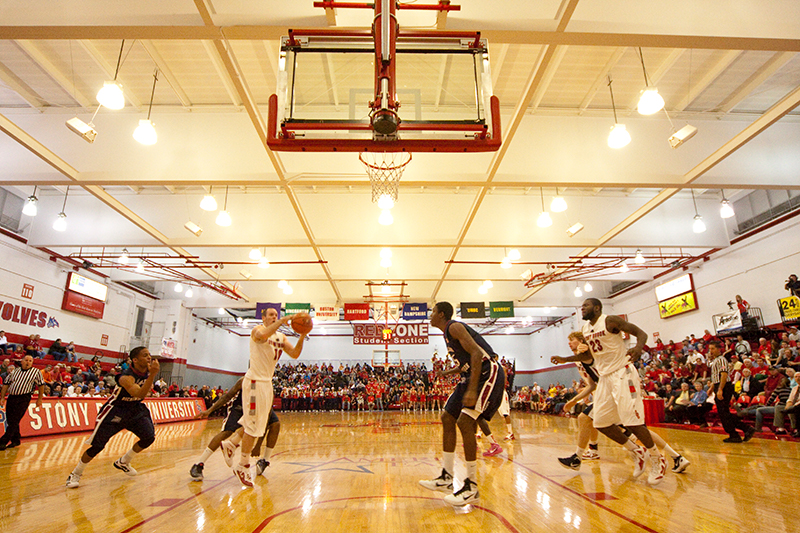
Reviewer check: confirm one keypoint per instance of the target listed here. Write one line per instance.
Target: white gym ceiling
(731, 70)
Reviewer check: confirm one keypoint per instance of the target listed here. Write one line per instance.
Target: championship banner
(356, 311)
(67, 415)
(168, 348)
(473, 309)
(293, 309)
(677, 305)
(415, 311)
(789, 308)
(398, 334)
(727, 321)
(501, 309)
(267, 305)
(326, 312)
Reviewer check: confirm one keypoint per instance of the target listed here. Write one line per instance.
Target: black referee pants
(16, 406)
(730, 422)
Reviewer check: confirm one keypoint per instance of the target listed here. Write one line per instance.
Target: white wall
(25, 265)
(755, 268)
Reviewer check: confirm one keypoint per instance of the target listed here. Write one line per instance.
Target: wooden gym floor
(336, 472)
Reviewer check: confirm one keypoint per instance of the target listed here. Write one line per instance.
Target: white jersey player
(618, 398)
(266, 347)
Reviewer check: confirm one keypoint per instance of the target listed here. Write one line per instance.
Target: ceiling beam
(219, 65)
(496, 63)
(707, 79)
(540, 77)
(21, 88)
(61, 78)
(270, 32)
(774, 114)
(234, 73)
(109, 70)
(163, 67)
(773, 64)
(600, 80)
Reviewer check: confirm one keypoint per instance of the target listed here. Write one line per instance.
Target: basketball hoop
(384, 170)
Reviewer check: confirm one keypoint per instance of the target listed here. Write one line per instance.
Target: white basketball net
(384, 170)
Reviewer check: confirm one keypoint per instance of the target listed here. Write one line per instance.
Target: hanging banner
(326, 312)
(267, 305)
(356, 311)
(678, 305)
(727, 321)
(416, 333)
(293, 309)
(501, 309)
(168, 348)
(473, 309)
(415, 311)
(789, 308)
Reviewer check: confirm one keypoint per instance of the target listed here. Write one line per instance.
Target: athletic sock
(630, 446)
(593, 446)
(491, 437)
(509, 429)
(206, 454)
(79, 468)
(129, 455)
(472, 470)
(244, 460)
(579, 451)
(448, 460)
(267, 453)
(235, 439)
(672, 453)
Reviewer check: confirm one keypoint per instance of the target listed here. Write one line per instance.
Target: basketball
(301, 323)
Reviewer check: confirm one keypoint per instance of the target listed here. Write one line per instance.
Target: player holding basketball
(124, 410)
(266, 346)
(477, 395)
(618, 398)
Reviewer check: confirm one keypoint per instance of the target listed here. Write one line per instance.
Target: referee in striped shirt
(19, 385)
(722, 388)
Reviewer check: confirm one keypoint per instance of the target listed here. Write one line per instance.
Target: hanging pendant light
(30, 208)
(559, 204)
(223, 218)
(619, 136)
(145, 133)
(208, 203)
(650, 102)
(725, 207)
(698, 226)
(544, 220)
(60, 223)
(110, 96)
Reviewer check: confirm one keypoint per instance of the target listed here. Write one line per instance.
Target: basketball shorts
(618, 399)
(256, 406)
(504, 410)
(588, 411)
(490, 393)
(135, 418)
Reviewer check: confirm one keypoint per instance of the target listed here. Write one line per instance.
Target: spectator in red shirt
(707, 336)
(744, 307)
(764, 348)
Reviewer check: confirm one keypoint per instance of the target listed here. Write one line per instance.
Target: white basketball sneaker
(466, 495)
(125, 467)
(657, 470)
(640, 458)
(73, 481)
(228, 450)
(443, 483)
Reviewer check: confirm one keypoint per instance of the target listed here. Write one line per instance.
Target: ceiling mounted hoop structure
(384, 170)
(333, 110)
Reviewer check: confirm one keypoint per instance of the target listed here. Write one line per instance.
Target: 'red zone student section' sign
(68, 415)
(394, 334)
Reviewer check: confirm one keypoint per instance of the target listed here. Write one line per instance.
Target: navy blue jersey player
(124, 410)
(478, 395)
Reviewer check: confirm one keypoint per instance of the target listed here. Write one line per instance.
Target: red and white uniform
(257, 384)
(618, 397)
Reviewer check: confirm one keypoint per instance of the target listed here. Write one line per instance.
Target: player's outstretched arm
(222, 400)
(262, 333)
(615, 324)
(294, 351)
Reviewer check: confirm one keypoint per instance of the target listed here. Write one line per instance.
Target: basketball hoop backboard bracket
(341, 90)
